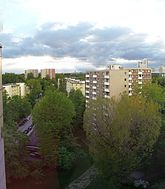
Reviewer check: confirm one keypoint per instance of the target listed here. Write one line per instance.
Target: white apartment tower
(2, 161)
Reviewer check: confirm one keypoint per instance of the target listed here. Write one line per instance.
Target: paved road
(26, 125)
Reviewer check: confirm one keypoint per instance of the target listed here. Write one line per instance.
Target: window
(125, 79)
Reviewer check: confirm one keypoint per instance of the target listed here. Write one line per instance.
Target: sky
(81, 35)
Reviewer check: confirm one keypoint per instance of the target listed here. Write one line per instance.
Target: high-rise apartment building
(115, 80)
(34, 72)
(2, 161)
(50, 73)
(75, 84)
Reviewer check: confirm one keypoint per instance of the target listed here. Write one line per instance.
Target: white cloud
(66, 64)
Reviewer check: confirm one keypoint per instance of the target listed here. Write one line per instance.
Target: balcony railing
(106, 83)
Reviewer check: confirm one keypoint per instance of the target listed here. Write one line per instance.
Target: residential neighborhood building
(114, 80)
(14, 89)
(75, 84)
(50, 73)
(162, 70)
(31, 71)
(2, 161)
(143, 63)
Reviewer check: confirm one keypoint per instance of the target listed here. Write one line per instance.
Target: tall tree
(52, 116)
(78, 100)
(121, 134)
(35, 90)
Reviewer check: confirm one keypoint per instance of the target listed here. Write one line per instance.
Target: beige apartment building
(32, 71)
(50, 73)
(75, 84)
(2, 161)
(114, 80)
(13, 89)
(162, 70)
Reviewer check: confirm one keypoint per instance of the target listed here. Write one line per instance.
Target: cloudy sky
(81, 35)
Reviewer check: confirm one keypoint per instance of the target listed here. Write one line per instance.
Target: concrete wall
(2, 164)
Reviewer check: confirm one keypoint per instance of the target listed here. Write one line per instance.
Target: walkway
(84, 180)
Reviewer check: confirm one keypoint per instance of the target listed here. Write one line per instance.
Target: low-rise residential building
(50, 73)
(75, 84)
(34, 72)
(115, 80)
(19, 89)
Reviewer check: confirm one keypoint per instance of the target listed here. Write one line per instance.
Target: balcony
(130, 73)
(94, 87)
(130, 94)
(106, 76)
(94, 92)
(106, 83)
(94, 81)
(106, 90)
(94, 98)
(87, 96)
(129, 83)
(139, 77)
(140, 73)
(87, 75)
(87, 86)
(130, 78)
(87, 91)
(106, 96)
(94, 76)
(87, 81)
(140, 82)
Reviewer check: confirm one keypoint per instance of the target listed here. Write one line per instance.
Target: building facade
(50, 73)
(19, 89)
(2, 161)
(114, 80)
(75, 84)
(162, 70)
(143, 63)
(31, 71)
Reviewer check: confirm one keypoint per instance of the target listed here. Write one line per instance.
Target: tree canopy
(121, 133)
(78, 100)
(52, 116)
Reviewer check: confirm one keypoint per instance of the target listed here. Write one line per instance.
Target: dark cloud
(85, 42)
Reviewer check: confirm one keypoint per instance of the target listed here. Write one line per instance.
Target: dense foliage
(79, 103)
(121, 134)
(15, 152)
(52, 116)
(12, 78)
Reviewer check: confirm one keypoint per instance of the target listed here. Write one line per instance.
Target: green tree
(52, 116)
(121, 134)
(156, 93)
(15, 108)
(12, 78)
(79, 103)
(15, 152)
(35, 90)
(30, 76)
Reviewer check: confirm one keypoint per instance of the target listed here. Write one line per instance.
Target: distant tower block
(143, 63)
